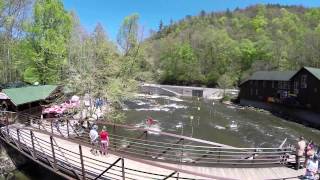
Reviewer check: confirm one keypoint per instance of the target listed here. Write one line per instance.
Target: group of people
(311, 153)
(102, 137)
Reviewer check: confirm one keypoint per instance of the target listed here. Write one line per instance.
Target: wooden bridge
(62, 147)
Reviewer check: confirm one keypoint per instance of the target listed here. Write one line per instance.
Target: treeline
(42, 43)
(224, 48)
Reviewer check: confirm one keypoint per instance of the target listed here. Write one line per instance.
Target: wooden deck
(68, 152)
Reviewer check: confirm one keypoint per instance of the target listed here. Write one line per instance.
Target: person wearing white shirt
(94, 139)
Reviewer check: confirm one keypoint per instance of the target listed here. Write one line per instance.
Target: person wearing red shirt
(150, 121)
(104, 138)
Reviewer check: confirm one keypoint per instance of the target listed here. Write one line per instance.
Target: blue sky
(110, 13)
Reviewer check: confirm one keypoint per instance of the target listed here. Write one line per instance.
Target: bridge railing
(73, 162)
(162, 146)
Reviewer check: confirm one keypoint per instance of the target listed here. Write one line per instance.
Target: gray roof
(280, 75)
(314, 71)
(271, 76)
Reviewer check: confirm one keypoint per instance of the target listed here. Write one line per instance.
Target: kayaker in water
(150, 121)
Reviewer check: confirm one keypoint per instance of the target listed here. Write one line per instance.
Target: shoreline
(301, 116)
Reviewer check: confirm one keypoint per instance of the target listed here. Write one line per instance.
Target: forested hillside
(42, 42)
(223, 48)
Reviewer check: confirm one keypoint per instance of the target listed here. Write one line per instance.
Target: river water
(212, 121)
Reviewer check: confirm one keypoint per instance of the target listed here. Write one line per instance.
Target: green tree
(13, 14)
(128, 33)
(47, 39)
(181, 65)
(225, 81)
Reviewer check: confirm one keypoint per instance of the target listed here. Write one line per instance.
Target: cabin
(266, 86)
(28, 98)
(305, 86)
(290, 88)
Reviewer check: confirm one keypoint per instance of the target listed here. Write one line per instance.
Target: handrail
(192, 154)
(215, 145)
(24, 134)
(114, 163)
(164, 133)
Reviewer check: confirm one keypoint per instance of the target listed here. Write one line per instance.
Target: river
(213, 121)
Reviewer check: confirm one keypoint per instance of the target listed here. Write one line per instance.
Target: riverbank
(305, 117)
(234, 105)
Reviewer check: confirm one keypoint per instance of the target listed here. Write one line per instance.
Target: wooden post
(146, 148)
(53, 154)
(32, 142)
(40, 121)
(219, 155)
(7, 123)
(18, 136)
(51, 126)
(82, 165)
(114, 143)
(181, 155)
(122, 166)
(68, 127)
(30, 121)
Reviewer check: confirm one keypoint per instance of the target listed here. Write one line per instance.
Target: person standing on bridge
(94, 139)
(309, 152)
(300, 148)
(104, 138)
(312, 168)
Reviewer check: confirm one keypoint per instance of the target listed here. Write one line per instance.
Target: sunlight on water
(220, 127)
(153, 129)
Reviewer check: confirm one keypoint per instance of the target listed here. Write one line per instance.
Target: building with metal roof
(271, 76)
(299, 88)
(22, 98)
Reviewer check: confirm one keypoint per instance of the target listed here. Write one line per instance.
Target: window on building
(280, 84)
(272, 84)
(304, 81)
(296, 84)
(256, 92)
(285, 85)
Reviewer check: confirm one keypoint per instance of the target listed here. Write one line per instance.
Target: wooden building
(291, 88)
(28, 98)
(305, 85)
(266, 86)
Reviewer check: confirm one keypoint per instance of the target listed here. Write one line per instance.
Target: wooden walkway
(66, 153)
